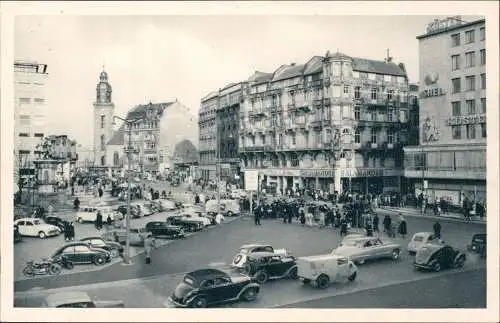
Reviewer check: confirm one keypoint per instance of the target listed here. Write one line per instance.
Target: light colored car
(321, 270)
(36, 228)
(78, 300)
(89, 213)
(420, 239)
(238, 193)
(240, 259)
(137, 236)
(166, 205)
(368, 248)
(227, 207)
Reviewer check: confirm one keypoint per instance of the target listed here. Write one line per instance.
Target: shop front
(371, 180)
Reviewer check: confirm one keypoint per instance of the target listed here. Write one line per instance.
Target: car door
(275, 266)
(224, 289)
(448, 256)
(30, 228)
(83, 254)
(341, 266)
(21, 225)
(70, 254)
(378, 249)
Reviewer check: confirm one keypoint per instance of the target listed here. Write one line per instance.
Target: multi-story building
(29, 114)
(450, 160)
(160, 127)
(335, 123)
(207, 136)
(104, 109)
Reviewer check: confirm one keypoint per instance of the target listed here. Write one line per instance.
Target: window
(294, 139)
(357, 92)
(24, 100)
(24, 119)
(102, 122)
(456, 85)
(373, 136)
(482, 57)
(373, 116)
(374, 93)
(483, 105)
(390, 94)
(103, 143)
(357, 112)
(23, 134)
(294, 160)
(39, 101)
(470, 105)
(357, 136)
(469, 36)
(483, 81)
(470, 83)
(482, 35)
(470, 59)
(470, 131)
(365, 161)
(455, 40)
(455, 62)
(456, 132)
(455, 107)
(390, 113)
(346, 89)
(390, 137)
(38, 134)
(483, 130)
(263, 139)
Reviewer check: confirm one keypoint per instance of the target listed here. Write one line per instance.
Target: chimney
(389, 58)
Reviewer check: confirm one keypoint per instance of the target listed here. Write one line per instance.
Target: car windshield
(350, 243)
(36, 222)
(418, 239)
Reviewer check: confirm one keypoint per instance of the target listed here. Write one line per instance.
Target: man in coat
(375, 222)
(437, 229)
(402, 230)
(149, 245)
(98, 220)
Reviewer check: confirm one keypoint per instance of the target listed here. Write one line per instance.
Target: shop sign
(429, 93)
(463, 120)
(251, 180)
(438, 25)
(328, 173)
(280, 172)
(362, 172)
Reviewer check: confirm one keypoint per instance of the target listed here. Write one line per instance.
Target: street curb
(416, 214)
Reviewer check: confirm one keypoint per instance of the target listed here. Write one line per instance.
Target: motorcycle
(45, 267)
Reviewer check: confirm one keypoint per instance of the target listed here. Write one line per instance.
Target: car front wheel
(261, 277)
(114, 253)
(199, 302)
(99, 260)
(395, 254)
(436, 267)
(250, 294)
(80, 220)
(293, 274)
(322, 281)
(460, 262)
(42, 235)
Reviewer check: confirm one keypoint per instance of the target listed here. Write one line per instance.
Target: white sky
(158, 58)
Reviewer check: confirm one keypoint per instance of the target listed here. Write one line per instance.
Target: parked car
(436, 257)
(82, 253)
(237, 194)
(17, 236)
(227, 207)
(206, 287)
(36, 228)
(240, 259)
(420, 239)
(147, 209)
(478, 244)
(321, 270)
(137, 236)
(115, 249)
(368, 248)
(89, 213)
(54, 220)
(159, 229)
(78, 300)
(268, 265)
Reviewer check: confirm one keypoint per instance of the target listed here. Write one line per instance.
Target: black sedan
(267, 265)
(57, 221)
(436, 257)
(162, 229)
(478, 244)
(114, 248)
(82, 253)
(205, 287)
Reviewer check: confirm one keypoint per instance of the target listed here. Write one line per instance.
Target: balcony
(380, 101)
(257, 148)
(340, 100)
(317, 102)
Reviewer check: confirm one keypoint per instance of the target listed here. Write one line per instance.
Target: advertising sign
(251, 180)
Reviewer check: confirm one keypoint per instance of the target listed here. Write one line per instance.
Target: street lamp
(128, 150)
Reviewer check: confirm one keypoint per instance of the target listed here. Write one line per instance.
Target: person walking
(98, 220)
(387, 223)
(302, 217)
(50, 209)
(109, 223)
(101, 192)
(402, 230)
(375, 223)
(437, 229)
(71, 233)
(66, 231)
(257, 213)
(149, 245)
(343, 227)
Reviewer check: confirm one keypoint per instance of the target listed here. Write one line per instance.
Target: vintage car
(55, 220)
(205, 287)
(17, 236)
(89, 213)
(351, 237)
(36, 228)
(188, 223)
(436, 257)
(78, 300)
(240, 259)
(420, 239)
(165, 205)
(237, 194)
(163, 229)
(82, 253)
(141, 209)
(368, 248)
(227, 207)
(115, 249)
(321, 270)
(137, 236)
(268, 265)
(478, 244)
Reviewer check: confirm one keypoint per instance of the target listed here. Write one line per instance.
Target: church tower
(104, 110)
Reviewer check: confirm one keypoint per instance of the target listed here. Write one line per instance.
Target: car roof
(27, 219)
(262, 254)
(57, 299)
(423, 234)
(254, 245)
(89, 238)
(433, 247)
(206, 273)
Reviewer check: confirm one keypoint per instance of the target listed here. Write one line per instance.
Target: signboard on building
(362, 172)
(251, 180)
(324, 173)
(463, 120)
(280, 172)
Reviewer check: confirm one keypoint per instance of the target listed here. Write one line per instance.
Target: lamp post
(128, 150)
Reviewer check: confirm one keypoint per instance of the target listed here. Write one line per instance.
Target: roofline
(468, 24)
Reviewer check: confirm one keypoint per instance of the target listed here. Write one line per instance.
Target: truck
(321, 270)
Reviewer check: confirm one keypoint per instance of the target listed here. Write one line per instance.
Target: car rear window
(418, 239)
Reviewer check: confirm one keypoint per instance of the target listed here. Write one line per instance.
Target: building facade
(336, 123)
(450, 160)
(29, 114)
(207, 136)
(104, 109)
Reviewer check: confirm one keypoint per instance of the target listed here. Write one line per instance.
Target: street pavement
(215, 248)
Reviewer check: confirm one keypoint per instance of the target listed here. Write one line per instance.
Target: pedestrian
(375, 222)
(196, 199)
(149, 245)
(437, 229)
(302, 217)
(387, 223)
(343, 227)
(402, 230)
(109, 223)
(76, 204)
(50, 209)
(289, 215)
(98, 220)
(101, 192)
(219, 218)
(256, 215)
(71, 234)
(66, 231)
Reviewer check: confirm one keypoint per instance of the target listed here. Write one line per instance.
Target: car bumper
(173, 304)
(421, 266)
